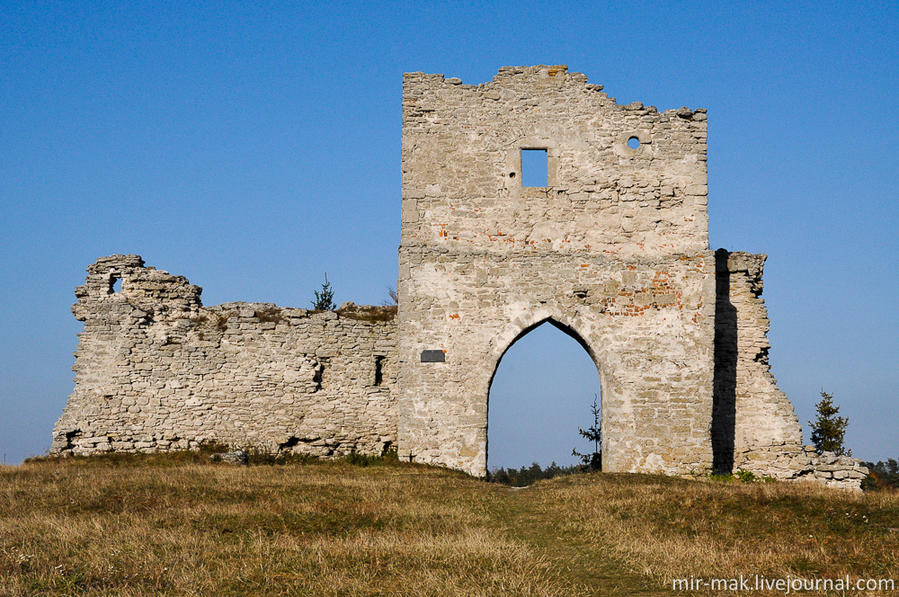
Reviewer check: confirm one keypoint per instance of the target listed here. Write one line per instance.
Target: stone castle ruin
(611, 248)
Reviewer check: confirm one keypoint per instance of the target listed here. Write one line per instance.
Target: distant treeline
(524, 476)
(882, 475)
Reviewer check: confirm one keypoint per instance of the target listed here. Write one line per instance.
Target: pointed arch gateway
(538, 320)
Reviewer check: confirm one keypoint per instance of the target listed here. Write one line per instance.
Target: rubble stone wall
(614, 250)
(462, 172)
(754, 420)
(155, 370)
(647, 326)
(754, 426)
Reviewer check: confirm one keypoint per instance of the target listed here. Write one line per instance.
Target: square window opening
(534, 168)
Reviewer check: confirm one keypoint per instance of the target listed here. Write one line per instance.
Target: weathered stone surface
(155, 370)
(754, 420)
(613, 251)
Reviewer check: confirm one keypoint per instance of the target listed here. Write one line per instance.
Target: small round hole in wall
(633, 143)
(511, 175)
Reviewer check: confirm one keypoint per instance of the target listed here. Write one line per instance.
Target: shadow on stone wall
(724, 403)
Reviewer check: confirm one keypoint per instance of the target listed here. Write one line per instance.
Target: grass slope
(138, 525)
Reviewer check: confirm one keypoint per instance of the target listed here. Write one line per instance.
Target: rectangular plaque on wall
(433, 356)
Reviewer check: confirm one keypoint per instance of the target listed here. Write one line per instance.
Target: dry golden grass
(176, 525)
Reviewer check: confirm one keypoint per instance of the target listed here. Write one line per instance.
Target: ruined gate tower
(613, 250)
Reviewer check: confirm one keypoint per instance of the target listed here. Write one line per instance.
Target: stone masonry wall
(155, 370)
(614, 250)
(462, 182)
(754, 425)
(754, 419)
(647, 325)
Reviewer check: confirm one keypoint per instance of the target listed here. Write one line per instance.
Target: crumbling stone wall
(755, 421)
(614, 250)
(155, 370)
(754, 425)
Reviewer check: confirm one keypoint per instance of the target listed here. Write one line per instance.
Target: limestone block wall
(755, 427)
(647, 325)
(155, 370)
(462, 179)
(614, 250)
(754, 419)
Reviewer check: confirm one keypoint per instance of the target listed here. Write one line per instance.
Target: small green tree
(829, 429)
(593, 434)
(324, 298)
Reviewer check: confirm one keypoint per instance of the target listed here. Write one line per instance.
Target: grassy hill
(177, 524)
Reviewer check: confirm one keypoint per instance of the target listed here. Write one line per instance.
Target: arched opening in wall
(541, 394)
(115, 284)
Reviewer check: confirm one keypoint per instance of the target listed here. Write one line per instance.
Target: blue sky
(252, 148)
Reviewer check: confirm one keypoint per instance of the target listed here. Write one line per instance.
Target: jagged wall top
(462, 179)
(152, 294)
(155, 293)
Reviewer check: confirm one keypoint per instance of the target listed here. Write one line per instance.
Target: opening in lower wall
(541, 396)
